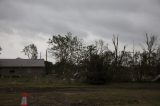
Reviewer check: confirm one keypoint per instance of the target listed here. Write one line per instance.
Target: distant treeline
(97, 64)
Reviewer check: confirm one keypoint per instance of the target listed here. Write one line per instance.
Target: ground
(61, 94)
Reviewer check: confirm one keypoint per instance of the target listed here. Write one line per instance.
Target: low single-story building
(21, 67)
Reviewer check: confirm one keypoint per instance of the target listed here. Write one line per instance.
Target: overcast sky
(34, 21)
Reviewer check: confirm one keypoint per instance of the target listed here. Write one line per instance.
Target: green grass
(59, 93)
(32, 82)
(109, 97)
(49, 82)
(99, 97)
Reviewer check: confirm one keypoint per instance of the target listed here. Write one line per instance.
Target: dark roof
(22, 63)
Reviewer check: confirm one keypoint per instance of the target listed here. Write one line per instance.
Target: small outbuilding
(21, 67)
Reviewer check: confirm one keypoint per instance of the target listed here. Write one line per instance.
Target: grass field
(44, 93)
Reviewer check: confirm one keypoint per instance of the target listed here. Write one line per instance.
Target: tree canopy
(96, 63)
(31, 51)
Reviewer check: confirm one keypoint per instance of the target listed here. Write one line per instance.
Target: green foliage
(96, 64)
(65, 70)
(49, 67)
(96, 70)
(66, 48)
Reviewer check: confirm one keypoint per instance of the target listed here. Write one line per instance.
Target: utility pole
(133, 51)
(40, 55)
(133, 48)
(46, 55)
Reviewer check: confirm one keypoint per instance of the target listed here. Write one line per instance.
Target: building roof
(22, 63)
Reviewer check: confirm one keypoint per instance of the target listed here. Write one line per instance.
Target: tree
(150, 47)
(66, 48)
(100, 47)
(49, 67)
(96, 64)
(69, 52)
(31, 51)
(158, 53)
(120, 61)
(117, 57)
(115, 44)
(148, 58)
(96, 73)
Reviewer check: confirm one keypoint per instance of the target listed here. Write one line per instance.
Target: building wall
(21, 72)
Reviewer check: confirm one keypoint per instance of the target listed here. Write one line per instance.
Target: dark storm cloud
(38, 19)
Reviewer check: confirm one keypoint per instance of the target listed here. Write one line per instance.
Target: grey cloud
(128, 18)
